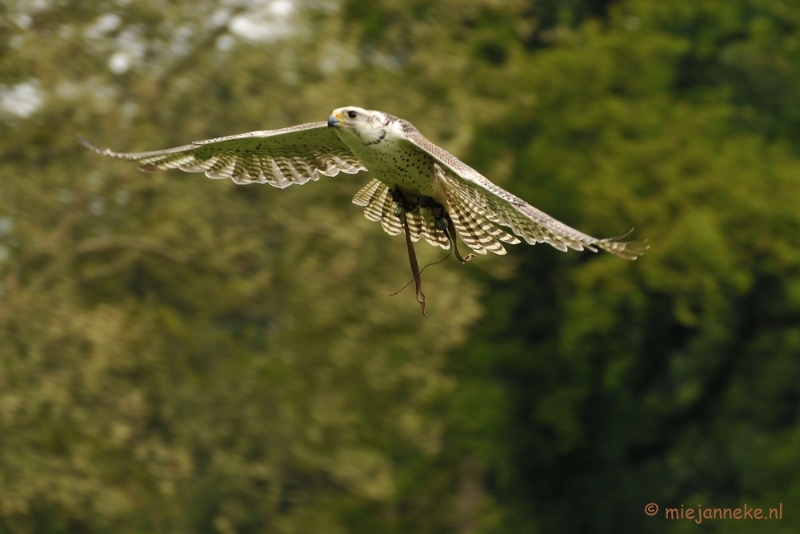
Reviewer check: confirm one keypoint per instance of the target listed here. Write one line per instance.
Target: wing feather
(280, 158)
(501, 207)
(476, 231)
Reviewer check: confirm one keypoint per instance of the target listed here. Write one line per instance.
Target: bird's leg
(406, 202)
(443, 222)
(437, 212)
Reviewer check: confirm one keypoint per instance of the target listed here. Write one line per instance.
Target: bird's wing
(475, 191)
(280, 158)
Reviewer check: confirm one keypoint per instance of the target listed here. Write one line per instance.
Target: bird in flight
(418, 188)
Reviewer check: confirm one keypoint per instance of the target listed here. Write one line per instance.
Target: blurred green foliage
(184, 355)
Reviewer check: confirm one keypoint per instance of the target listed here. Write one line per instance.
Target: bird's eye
(352, 114)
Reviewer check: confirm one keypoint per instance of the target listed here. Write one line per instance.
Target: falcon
(418, 188)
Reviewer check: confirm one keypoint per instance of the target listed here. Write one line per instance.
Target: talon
(397, 196)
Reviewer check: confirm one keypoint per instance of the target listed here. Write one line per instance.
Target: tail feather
(367, 193)
(375, 209)
(433, 235)
(474, 224)
(415, 226)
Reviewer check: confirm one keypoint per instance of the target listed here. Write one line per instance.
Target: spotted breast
(397, 162)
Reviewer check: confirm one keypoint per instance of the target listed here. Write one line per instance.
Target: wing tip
(628, 250)
(85, 142)
(102, 151)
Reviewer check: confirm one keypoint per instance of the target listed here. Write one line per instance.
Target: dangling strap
(412, 258)
(452, 237)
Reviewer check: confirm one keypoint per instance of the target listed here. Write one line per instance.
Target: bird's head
(366, 126)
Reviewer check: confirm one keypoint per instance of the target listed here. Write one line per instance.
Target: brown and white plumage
(475, 196)
(280, 158)
(401, 159)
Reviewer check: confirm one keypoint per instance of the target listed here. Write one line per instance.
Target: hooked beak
(333, 122)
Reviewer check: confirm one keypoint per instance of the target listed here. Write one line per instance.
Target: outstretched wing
(280, 158)
(474, 192)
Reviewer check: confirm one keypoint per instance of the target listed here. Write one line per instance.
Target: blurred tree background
(185, 355)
